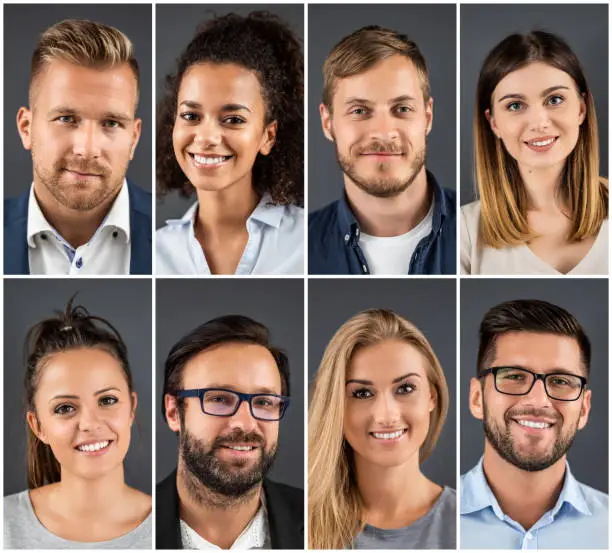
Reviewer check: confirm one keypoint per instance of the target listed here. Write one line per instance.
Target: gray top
(22, 530)
(435, 530)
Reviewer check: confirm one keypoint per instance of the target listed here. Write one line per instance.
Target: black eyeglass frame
(536, 376)
(199, 393)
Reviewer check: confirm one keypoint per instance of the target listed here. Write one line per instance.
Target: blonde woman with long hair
(379, 402)
(543, 207)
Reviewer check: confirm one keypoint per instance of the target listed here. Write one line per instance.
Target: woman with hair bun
(230, 129)
(80, 406)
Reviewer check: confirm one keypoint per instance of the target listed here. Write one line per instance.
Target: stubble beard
(501, 440)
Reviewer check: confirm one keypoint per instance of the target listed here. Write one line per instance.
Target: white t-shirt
(391, 255)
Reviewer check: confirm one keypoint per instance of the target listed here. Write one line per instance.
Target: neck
(225, 211)
(542, 186)
(390, 216)
(383, 489)
(75, 226)
(216, 517)
(523, 496)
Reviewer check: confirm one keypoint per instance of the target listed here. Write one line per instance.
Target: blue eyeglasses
(220, 402)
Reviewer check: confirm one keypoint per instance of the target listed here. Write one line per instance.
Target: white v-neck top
(520, 260)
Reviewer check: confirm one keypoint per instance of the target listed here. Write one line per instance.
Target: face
(379, 123)
(84, 411)
(388, 403)
(82, 132)
(533, 431)
(229, 455)
(537, 112)
(220, 126)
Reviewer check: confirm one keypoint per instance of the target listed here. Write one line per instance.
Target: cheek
(179, 139)
(355, 423)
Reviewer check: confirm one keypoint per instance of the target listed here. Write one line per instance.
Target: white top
(255, 536)
(520, 260)
(107, 253)
(275, 245)
(391, 255)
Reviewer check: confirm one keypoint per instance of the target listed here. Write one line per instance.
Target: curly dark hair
(263, 43)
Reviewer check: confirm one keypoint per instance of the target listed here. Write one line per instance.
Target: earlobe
(24, 127)
(326, 122)
(476, 401)
(172, 414)
(269, 138)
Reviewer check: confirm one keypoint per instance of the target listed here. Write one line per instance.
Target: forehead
(539, 352)
(246, 367)
(85, 369)
(77, 87)
(210, 84)
(383, 362)
(390, 78)
(532, 79)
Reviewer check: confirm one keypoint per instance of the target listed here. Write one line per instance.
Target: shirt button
(346, 237)
(79, 262)
(529, 536)
(115, 234)
(365, 269)
(43, 236)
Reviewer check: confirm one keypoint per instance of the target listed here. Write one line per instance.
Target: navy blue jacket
(16, 233)
(333, 239)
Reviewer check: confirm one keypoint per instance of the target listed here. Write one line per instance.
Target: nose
(89, 419)
(540, 118)
(538, 395)
(383, 126)
(243, 419)
(88, 140)
(386, 411)
(207, 133)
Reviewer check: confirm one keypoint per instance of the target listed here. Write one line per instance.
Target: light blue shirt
(275, 245)
(579, 519)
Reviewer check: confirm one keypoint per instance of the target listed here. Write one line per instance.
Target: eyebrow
(62, 110)
(402, 98)
(370, 383)
(553, 370)
(67, 396)
(262, 390)
(542, 94)
(227, 107)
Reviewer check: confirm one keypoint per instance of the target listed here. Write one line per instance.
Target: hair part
(529, 316)
(335, 510)
(84, 43)
(71, 330)
(262, 43)
(361, 50)
(503, 198)
(229, 329)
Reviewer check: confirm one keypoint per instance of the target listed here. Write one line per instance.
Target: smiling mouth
(388, 435)
(94, 447)
(208, 160)
(542, 144)
(536, 425)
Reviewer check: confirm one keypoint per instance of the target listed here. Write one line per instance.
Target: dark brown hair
(529, 316)
(263, 44)
(73, 329)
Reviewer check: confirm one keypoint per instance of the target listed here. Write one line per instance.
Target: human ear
(476, 400)
(429, 115)
(583, 108)
(24, 127)
(134, 404)
(585, 409)
(269, 138)
(172, 412)
(135, 137)
(326, 122)
(491, 120)
(35, 426)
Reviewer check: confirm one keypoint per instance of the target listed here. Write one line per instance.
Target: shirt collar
(476, 494)
(264, 212)
(350, 226)
(118, 217)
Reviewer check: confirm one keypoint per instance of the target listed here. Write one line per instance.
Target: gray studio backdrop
(184, 304)
(23, 24)
(176, 26)
(583, 26)
(126, 304)
(587, 300)
(429, 304)
(433, 28)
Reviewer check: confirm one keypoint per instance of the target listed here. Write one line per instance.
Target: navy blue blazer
(16, 233)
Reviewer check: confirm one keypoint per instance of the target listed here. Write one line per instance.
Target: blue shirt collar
(265, 212)
(476, 494)
(350, 226)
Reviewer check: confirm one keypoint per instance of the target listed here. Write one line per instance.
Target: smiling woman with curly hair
(231, 129)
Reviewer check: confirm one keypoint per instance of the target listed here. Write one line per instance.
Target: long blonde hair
(503, 199)
(334, 504)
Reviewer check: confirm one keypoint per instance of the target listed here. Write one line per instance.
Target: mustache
(534, 412)
(380, 147)
(84, 165)
(238, 436)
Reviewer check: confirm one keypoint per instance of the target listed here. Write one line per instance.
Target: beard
(231, 479)
(381, 186)
(502, 441)
(79, 195)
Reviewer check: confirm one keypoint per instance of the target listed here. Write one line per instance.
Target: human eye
(362, 393)
(359, 111)
(555, 100)
(64, 409)
(403, 109)
(66, 119)
(189, 116)
(111, 124)
(406, 388)
(234, 120)
(515, 106)
(514, 376)
(560, 380)
(265, 401)
(107, 401)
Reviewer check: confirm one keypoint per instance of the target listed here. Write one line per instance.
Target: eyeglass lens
(219, 402)
(518, 382)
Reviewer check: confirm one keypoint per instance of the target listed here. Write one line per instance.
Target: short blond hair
(86, 43)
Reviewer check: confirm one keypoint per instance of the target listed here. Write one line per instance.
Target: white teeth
(208, 160)
(241, 447)
(93, 447)
(543, 142)
(533, 424)
(388, 435)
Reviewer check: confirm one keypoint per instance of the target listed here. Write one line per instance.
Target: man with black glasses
(225, 390)
(532, 394)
